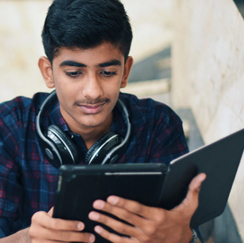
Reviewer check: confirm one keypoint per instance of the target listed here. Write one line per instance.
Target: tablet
(155, 185)
(79, 186)
(220, 161)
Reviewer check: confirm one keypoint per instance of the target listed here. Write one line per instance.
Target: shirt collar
(135, 112)
(57, 118)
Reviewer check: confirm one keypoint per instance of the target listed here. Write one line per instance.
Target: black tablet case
(79, 186)
(220, 161)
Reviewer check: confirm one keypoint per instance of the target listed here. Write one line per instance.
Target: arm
(148, 224)
(19, 237)
(167, 140)
(44, 228)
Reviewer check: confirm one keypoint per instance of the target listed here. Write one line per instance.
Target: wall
(20, 38)
(208, 75)
(21, 24)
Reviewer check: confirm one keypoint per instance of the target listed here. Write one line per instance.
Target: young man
(87, 43)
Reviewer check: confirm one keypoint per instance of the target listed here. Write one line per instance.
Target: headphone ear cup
(64, 145)
(99, 149)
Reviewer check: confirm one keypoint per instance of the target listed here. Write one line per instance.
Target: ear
(128, 65)
(46, 70)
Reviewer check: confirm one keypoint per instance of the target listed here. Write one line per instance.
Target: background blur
(21, 24)
(188, 54)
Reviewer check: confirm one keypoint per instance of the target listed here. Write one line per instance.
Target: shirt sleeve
(10, 180)
(5, 227)
(168, 140)
(170, 143)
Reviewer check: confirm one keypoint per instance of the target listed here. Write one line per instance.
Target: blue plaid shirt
(28, 181)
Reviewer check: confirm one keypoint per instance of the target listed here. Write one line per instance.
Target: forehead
(90, 57)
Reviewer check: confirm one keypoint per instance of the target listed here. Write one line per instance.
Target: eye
(108, 73)
(73, 74)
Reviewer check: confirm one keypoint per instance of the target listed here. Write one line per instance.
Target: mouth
(92, 109)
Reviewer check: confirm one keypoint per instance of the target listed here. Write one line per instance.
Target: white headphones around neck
(60, 149)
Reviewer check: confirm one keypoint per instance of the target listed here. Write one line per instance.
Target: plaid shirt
(28, 181)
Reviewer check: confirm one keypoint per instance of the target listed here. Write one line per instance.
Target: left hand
(148, 224)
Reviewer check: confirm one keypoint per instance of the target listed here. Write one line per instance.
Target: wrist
(194, 237)
(21, 236)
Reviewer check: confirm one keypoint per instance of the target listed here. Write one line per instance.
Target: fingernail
(80, 226)
(94, 216)
(98, 204)
(202, 177)
(113, 200)
(92, 238)
(98, 229)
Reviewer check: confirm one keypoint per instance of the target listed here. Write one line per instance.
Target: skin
(149, 224)
(88, 84)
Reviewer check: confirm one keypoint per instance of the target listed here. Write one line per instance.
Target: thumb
(191, 200)
(50, 212)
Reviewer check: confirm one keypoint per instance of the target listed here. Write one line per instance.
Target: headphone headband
(125, 113)
(50, 148)
(60, 149)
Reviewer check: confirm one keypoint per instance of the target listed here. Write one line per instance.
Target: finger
(44, 234)
(132, 206)
(119, 212)
(111, 237)
(50, 213)
(43, 219)
(140, 227)
(49, 241)
(191, 199)
(116, 225)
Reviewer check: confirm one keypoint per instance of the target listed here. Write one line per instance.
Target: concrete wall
(21, 24)
(208, 75)
(20, 47)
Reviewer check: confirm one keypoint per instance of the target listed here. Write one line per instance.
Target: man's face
(87, 83)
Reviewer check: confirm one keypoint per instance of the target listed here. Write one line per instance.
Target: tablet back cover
(220, 161)
(80, 186)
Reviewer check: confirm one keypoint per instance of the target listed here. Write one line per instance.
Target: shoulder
(149, 110)
(19, 108)
(157, 131)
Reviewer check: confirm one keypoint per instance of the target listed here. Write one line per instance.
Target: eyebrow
(113, 62)
(72, 63)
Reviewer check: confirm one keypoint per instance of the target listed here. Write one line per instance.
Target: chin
(91, 123)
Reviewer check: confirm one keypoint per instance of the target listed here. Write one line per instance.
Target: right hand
(45, 229)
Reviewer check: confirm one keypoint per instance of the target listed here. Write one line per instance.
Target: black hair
(86, 24)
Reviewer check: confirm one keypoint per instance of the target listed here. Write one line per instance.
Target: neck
(92, 134)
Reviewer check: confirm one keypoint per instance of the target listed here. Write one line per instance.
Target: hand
(44, 228)
(148, 224)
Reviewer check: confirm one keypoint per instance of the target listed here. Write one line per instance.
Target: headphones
(60, 149)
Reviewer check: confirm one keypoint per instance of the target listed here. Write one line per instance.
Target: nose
(92, 88)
